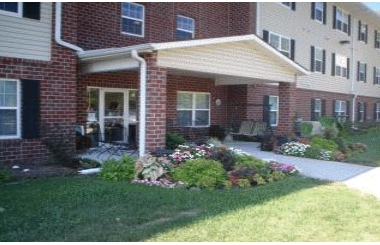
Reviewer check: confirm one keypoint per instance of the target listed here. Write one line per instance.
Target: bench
(252, 129)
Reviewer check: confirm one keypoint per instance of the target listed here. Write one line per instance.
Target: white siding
(308, 32)
(27, 38)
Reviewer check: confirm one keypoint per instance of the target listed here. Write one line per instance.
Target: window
(363, 32)
(318, 59)
(133, 16)
(9, 109)
(377, 112)
(362, 72)
(11, 8)
(340, 108)
(316, 109)
(30, 10)
(340, 67)
(361, 111)
(273, 111)
(185, 27)
(377, 39)
(281, 43)
(319, 12)
(291, 5)
(193, 109)
(376, 75)
(341, 20)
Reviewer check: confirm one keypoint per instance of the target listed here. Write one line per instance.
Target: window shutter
(292, 48)
(30, 109)
(357, 71)
(349, 25)
(348, 109)
(348, 68)
(366, 34)
(365, 111)
(334, 109)
(359, 29)
(323, 61)
(293, 6)
(376, 46)
(374, 112)
(266, 36)
(31, 10)
(323, 112)
(334, 17)
(313, 10)
(313, 116)
(365, 73)
(333, 64)
(312, 58)
(374, 75)
(266, 109)
(358, 111)
(324, 13)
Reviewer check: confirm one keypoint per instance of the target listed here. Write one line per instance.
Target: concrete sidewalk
(363, 178)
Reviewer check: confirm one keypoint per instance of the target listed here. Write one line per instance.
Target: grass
(371, 138)
(89, 209)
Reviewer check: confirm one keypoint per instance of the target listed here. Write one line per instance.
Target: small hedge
(118, 170)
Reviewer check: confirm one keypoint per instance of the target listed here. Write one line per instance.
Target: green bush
(5, 175)
(244, 183)
(327, 122)
(118, 170)
(173, 140)
(312, 152)
(306, 128)
(151, 167)
(226, 157)
(200, 173)
(321, 143)
(250, 162)
(342, 144)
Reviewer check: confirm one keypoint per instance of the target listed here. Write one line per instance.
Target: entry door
(113, 113)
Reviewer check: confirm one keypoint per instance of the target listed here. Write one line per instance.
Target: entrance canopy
(229, 60)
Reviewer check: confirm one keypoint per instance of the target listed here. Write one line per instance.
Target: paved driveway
(363, 178)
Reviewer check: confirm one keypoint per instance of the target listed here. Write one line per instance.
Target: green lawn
(89, 209)
(372, 156)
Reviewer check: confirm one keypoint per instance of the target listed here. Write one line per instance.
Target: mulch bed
(42, 171)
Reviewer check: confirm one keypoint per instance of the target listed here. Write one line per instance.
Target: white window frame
(14, 14)
(377, 109)
(286, 4)
(318, 108)
(316, 9)
(18, 111)
(377, 40)
(361, 112)
(316, 60)
(343, 19)
(272, 109)
(361, 71)
(193, 109)
(135, 19)
(363, 31)
(192, 31)
(281, 38)
(377, 75)
(340, 111)
(340, 66)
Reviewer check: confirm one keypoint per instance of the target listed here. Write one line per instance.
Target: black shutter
(324, 13)
(333, 64)
(358, 111)
(374, 75)
(359, 29)
(294, 6)
(323, 112)
(365, 111)
(31, 10)
(324, 62)
(365, 73)
(376, 46)
(366, 34)
(334, 17)
(312, 58)
(358, 72)
(374, 112)
(348, 110)
(333, 108)
(266, 109)
(313, 11)
(266, 36)
(349, 25)
(313, 116)
(30, 109)
(292, 48)
(348, 68)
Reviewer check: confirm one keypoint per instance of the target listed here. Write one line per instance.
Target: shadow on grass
(89, 209)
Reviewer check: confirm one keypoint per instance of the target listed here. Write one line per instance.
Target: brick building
(148, 66)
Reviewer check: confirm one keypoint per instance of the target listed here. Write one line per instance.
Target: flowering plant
(282, 167)
(325, 155)
(293, 149)
(187, 152)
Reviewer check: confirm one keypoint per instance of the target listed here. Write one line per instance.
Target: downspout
(142, 113)
(352, 78)
(58, 25)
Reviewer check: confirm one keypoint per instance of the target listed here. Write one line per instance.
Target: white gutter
(58, 25)
(142, 113)
(352, 76)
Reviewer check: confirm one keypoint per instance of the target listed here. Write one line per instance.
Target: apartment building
(153, 67)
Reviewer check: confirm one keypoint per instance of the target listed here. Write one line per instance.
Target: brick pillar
(155, 104)
(287, 107)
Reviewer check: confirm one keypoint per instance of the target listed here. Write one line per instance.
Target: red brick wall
(57, 100)
(100, 22)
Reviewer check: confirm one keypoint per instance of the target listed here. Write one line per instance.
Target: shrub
(339, 156)
(306, 128)
(118, 170)
(342, 144)
(173, 140)
(275, 175)
(227, 184)
(5, 175)
(200, 172)
(187, 152)
(325, 155)
(244, 183)
(321, 143)
(152, 168)
(312, 153)
(249, 161)
(293, 149)
(226, 157)
(243, 173)
(282, 167)
(357, 147)
(327, 122)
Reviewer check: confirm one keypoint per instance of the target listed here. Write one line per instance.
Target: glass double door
(114, 110)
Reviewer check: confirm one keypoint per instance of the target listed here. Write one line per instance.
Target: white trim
(277, 111)
(315, 12)
(193, 108)
(348, 21)
(17, 108)
(185, 30)
(14, 14)
(316, 48)
(281, 37)
(363, 24)
(132, 18)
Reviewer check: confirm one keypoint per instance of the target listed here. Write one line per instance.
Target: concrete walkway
(363, 178)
